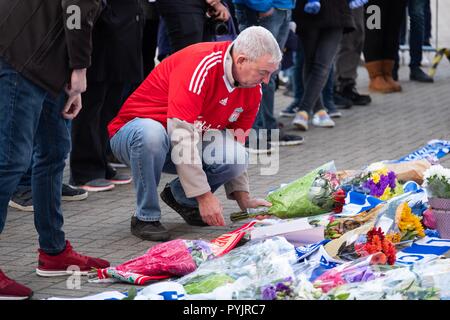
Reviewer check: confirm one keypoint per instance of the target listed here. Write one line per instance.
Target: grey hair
(255, 42)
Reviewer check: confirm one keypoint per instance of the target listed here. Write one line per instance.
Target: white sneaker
(301, 120)
(322, 119)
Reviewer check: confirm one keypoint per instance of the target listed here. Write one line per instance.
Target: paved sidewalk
(392, 126)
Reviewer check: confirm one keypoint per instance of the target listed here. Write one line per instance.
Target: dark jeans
(88, 159)
(427, 31)
(278, 25)
(383, 43)
(297, 75)
(416, 10)
(31, 125)
(320, 47)
(186, 24)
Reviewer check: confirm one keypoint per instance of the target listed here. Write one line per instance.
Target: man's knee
(152, 137)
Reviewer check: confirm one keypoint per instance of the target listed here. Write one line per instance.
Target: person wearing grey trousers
(346, 66)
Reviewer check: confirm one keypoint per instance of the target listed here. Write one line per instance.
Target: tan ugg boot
(377, 81)
(388, 65)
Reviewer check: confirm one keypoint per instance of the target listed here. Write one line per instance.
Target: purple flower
(392, 177)
(269, 293)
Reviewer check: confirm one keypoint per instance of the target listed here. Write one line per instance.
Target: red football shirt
(191, 85)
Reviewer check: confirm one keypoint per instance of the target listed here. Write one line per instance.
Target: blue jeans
(278, 25)
(144, 145)
(416, 10)
(31, 125)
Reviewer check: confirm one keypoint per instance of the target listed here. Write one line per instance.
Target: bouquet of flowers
(408, 224)
(426, 281)
(376, 180)
(279, 290)
(173, 258)
(248, 272)
(437, 182)
(350, 272)
(316, 193)
(381, 184)
(338, 226)
(377, 242)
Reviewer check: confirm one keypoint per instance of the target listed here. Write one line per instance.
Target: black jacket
(117, 39)
(42, 41)
(333, 14)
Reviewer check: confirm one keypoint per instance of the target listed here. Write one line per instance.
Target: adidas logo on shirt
(224, 101)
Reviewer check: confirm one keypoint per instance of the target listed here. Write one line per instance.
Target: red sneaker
(11, 290)
(67, 262)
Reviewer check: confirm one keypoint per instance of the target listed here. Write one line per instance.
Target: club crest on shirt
(235, 115)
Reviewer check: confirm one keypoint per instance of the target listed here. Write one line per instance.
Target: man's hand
(72, 107)
(210, 209)
(78, 82)
(220, 12)
(244, 201)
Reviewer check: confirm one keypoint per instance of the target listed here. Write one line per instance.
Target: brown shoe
(388, 65)
(377, 80)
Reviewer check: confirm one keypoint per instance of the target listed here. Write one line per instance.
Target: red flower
(339, 200)
(377, 243)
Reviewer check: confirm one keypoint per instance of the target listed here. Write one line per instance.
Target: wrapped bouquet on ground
(315, 193)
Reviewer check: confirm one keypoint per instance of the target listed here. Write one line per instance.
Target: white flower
(436, 171)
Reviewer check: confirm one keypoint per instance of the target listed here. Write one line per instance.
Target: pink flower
(428, 219)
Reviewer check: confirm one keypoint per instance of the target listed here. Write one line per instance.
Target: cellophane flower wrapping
(308, 196)
(428, 281)
(172, 258)
(244, 272)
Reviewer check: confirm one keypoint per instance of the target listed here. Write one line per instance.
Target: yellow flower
(394, 237)
(376, 177)
(387, 194)
(383, 171)
(409, 221)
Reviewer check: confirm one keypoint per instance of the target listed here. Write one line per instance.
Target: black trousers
(383, 43)
(90, 141)
(149, 44)
(320, 47)
(186, 22)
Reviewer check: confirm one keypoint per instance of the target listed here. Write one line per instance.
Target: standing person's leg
(116, 94)
(143, 144)
(374, 48)
(52, 145)
(391, 40)
(416, 9)
(22, 198)
(428, 25)
(347, 62)
(150, 38)
(87, 163)
(278, 25)
(309, 39)
(297, 82)
(327, 96)
(20, 105)
(320, 49)
(326, 51)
